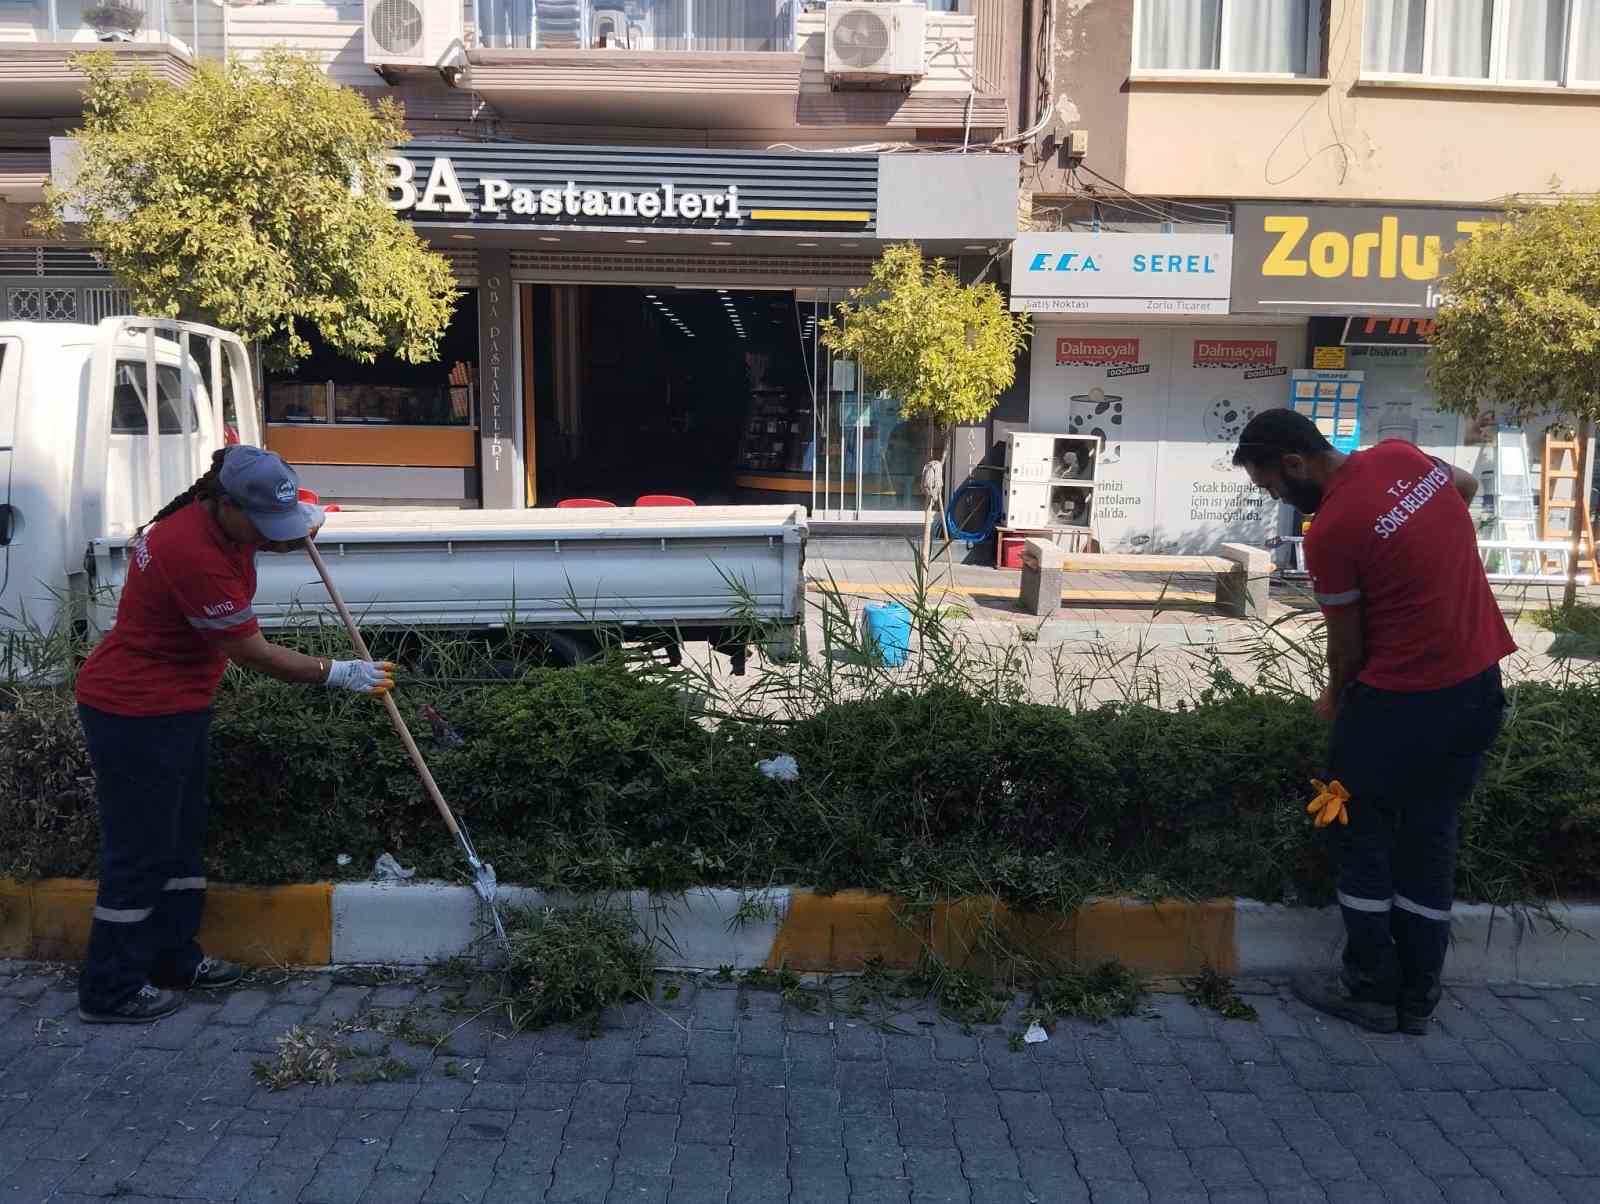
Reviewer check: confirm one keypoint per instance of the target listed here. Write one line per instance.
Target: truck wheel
(567, 649)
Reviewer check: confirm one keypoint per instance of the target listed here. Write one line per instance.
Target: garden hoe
(483, 880)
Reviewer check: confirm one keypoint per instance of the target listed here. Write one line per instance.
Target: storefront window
(298, 401)
(893, 450)
(325, 388)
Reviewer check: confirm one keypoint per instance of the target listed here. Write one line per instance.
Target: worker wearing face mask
(1415, 640)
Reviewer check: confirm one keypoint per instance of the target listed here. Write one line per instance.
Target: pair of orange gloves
(1329, 805)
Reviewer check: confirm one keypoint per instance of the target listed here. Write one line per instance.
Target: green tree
(1519, 326)
(251, 197)
(946, 350)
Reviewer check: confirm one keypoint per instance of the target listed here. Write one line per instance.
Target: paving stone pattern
(722, 1095)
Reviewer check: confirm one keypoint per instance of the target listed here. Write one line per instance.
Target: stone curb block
(704, 929)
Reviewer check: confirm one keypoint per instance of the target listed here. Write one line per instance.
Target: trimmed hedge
(592, 778)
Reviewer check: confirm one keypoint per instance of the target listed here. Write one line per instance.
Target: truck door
(10, 385)
(155, 411)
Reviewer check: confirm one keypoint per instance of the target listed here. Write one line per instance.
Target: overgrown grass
(571, 964)
(1582, 619)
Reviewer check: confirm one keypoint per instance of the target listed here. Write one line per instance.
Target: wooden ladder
(1561, 461)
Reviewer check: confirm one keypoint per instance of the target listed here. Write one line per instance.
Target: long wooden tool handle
(395, 718)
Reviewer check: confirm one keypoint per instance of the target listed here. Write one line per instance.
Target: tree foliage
(945, 349)
(1519, 328)
(251, 196)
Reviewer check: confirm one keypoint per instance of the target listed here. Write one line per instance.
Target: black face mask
(1305, 496)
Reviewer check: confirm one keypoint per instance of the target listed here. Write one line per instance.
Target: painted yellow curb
(846, 930)
(1167, 937)
(256, 925)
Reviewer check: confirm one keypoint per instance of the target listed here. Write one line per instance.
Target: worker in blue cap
(144, 698)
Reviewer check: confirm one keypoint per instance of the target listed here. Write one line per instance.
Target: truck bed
(635, 567)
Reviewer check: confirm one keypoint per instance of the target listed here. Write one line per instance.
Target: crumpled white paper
(387, 869)
(782, 768)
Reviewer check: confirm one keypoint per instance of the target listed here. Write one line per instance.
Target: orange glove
(1329, 805)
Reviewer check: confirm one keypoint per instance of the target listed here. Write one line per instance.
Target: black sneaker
(1326, 991)
(1413, 1025)
(147, 1005)
(214, 972)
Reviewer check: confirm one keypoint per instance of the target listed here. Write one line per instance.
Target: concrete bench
(1242, 573)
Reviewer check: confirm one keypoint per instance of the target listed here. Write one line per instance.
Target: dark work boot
(1326, 991)
(1413, 1024)
(210, 973)
(215, 972)
(146, 1005)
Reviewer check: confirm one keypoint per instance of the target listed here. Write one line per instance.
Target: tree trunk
(944, 463)
(931, 493)
(1580, 527)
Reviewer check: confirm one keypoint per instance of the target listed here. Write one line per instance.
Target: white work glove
(315, 517)
(361, 677)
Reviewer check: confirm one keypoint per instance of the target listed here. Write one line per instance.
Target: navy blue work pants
(1409, 761)
(150, 784)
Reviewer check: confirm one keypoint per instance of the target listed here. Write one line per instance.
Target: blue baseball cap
(267, 490)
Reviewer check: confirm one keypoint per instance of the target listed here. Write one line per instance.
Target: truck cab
(77, 463)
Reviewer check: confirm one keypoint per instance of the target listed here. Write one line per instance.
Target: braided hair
(207, 487)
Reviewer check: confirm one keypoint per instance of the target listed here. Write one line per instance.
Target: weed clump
(1215, 992)
(1101, 992)
(571, 964)
(306, 1057)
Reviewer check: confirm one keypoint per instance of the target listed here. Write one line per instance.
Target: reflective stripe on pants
(150, 785)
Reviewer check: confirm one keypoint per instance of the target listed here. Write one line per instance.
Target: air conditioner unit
(875, 41)
(412, 33)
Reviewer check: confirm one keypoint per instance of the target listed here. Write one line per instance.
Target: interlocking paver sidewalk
(722, 1096)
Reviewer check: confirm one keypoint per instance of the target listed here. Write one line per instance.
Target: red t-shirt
(188, 589)
(1394, 537)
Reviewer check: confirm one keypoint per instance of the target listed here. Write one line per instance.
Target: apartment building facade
(650, 205)
(1268, 188)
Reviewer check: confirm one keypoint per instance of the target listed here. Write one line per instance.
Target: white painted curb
(1487, 944)
(405, 924)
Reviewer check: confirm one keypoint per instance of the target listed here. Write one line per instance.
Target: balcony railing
(196, 27)
(728, 26)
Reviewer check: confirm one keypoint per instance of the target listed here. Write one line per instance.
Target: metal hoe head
(484, 883)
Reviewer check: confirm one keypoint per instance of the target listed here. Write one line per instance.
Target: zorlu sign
(1071, 272)
(1344, 259)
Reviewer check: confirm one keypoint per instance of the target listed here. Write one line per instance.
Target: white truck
(79, 472)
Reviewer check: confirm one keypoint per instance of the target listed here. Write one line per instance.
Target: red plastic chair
(585, 503)
(663, 499)
(311, 495)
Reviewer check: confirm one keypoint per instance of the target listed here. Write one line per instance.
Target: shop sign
(502, 483)
(1377, 331)
(442, 192)
(1090, 352)
(1071, 272)
(1235, 353)
(1339, 259)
